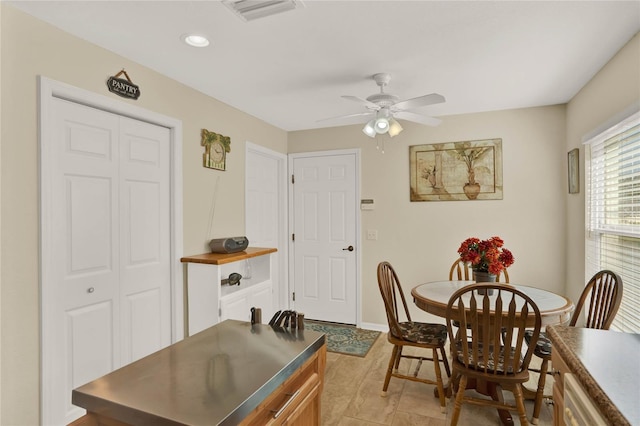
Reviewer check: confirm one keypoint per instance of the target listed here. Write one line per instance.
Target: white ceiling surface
(291, 69)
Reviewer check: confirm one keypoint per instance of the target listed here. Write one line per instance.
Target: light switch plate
(366, 204)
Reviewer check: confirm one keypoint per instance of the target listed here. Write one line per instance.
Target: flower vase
(484, 277)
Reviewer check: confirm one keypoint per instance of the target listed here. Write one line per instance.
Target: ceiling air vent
(249, 10)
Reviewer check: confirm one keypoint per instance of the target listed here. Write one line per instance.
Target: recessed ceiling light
(195, 40)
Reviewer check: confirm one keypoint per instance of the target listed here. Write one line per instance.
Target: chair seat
(543, 345)
(491, 363)
(424, 333)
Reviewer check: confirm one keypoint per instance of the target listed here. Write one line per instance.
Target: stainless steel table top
(217, 376)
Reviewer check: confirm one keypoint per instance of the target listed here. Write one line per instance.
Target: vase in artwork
(484, 277)
(471, 190)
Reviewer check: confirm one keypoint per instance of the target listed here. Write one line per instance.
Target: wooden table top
(433, 297)
(222, 258)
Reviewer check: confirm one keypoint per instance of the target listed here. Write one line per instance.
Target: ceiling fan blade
(364, 102)
(420, 101)
(344, 117)
(417, 118)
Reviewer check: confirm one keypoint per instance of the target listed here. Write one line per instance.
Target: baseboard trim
(383, 328)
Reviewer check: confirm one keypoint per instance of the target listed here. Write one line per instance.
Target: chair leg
(392, 362)
(517, 392)
(398, 358)
(457, 406)
(446, 362)
(540, 392)
(436, 363)
(455, 378)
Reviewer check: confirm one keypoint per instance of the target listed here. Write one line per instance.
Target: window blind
(613, 213)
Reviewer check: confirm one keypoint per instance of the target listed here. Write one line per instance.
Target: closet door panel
(144, 238)
(81, 336)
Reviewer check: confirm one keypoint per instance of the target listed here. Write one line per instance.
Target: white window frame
(598, 225)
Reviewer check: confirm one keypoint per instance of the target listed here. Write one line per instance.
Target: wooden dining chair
(604, 294)
(462, 270)
(405, 332)
(478, 354)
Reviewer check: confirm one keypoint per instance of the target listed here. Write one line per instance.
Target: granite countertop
(607, 366)
(215, 377)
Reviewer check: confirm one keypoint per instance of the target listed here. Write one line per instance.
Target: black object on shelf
(234, 279)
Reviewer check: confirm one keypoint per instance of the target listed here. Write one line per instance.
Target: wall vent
(248, 10)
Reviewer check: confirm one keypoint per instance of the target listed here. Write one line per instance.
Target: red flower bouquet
(486, 255)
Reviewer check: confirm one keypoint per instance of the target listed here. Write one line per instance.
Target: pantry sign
(122, 87)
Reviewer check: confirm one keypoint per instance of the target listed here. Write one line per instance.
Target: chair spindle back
(484, 320)
(604, 291)
(392, 295)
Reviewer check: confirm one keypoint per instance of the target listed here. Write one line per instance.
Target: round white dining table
(432, 297)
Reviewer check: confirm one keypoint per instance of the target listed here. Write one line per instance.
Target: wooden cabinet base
(92, 419)
(297, 400)
(560, 369)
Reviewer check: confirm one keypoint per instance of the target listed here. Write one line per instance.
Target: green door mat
(344, 339)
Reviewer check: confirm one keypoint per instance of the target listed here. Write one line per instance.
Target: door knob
(90, 290)
(350, 248)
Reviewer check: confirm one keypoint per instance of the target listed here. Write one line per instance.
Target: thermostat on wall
(366, 204)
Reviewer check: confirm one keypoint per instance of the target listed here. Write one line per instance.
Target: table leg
(491, 389)
(496, 395)
(528, 393)
(448, 388)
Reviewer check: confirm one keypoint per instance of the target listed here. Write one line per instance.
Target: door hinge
(294, 296)
(219, 312)
(293, 179)
(293, 237)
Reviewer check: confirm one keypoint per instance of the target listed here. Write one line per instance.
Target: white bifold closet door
(109, 251)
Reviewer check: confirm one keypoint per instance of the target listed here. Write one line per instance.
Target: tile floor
(351, 395)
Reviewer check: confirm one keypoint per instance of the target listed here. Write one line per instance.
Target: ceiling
(291, 69)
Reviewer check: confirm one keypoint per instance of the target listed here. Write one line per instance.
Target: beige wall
(611, 91)
(540, 222)
(421, 238)
(31, 48)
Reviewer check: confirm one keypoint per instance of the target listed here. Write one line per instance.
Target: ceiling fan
(384, 108)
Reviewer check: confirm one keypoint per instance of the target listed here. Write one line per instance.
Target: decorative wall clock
(216, 147)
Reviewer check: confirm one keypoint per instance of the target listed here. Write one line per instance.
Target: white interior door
(145, 265)
(266, 217)
(326, 236)
(107, 294)
(84, 331)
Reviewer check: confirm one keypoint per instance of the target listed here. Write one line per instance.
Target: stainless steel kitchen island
(231, 373)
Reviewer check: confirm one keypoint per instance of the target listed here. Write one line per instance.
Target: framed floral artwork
(456, 171)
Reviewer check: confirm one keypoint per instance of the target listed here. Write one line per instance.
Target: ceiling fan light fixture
(394, 127)
(382, 125)
(382, 121)
(369, 129)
